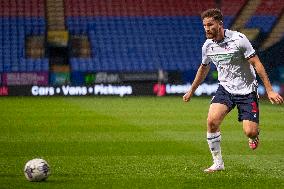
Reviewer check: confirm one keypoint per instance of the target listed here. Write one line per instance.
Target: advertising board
(29, 78)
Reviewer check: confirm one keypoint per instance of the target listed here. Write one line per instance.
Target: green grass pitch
(134, 142)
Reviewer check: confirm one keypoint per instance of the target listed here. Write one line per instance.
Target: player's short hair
(213, 13)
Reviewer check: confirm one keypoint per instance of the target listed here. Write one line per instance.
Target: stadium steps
(232, 7)
(248, 10)
(241, 20)
(276, 34)
(55, 15)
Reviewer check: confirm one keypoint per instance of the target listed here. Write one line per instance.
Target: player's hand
(275, 98)
(186, 97)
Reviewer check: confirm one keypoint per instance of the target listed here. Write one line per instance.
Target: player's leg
(221, 104)
(249, 115)
(216, 114)
(251, 130)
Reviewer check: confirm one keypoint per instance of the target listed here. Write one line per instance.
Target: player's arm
(272, 95)
(199, 78)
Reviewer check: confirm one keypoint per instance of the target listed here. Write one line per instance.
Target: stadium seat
(124, 35)
(144, 35)
(138, 41)
(13, 31)
(17, 20)
(266, 15)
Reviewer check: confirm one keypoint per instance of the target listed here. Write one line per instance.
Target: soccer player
(236, 63)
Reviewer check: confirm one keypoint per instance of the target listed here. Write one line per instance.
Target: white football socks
(214, 142)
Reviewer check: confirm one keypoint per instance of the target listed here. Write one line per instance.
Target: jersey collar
(222, 40)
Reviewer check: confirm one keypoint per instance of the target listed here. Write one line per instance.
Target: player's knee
(251, 133)
(213, 124)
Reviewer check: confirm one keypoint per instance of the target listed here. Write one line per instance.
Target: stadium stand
(141, 35)
(231, 9)
(121, 35)
(266, 15)
(18, 20)
(275, 35)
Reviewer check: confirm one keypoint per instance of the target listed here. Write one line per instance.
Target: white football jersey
(231, 56)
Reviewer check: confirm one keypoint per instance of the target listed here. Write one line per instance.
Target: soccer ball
(36, 170)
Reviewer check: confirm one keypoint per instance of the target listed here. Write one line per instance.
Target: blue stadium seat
(13, 31)
(142, 43)
(265, 23)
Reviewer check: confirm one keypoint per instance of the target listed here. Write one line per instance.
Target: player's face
(212, 28)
